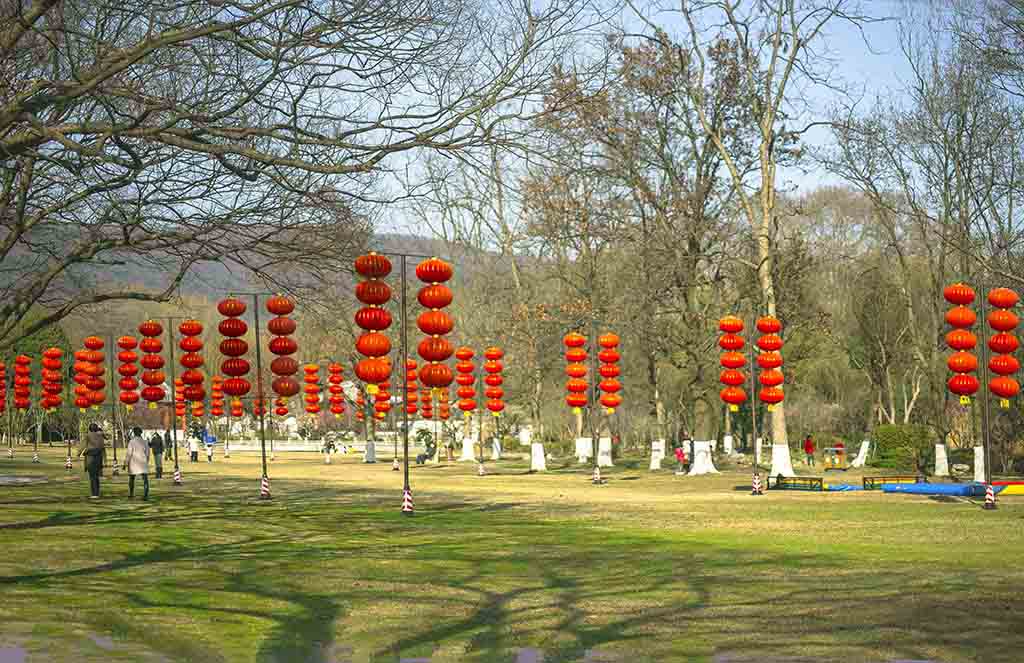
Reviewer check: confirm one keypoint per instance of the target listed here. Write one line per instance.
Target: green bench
(796, 483)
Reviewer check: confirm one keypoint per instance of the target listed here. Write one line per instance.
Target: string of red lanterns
(962, 362)
(217, 396)
(312, 388)
(180, 406)
(337, 398)
(52, 379)
(494, 392)
(94, 359)
(191, 361)
(373, 319)
(576, 386)
(732, 361)
(1003, 321)
(426, 403)
(282, 346)
(609, 371)
(128, 369)
(435, 322)
(281, 407)
(3, 387)
(411, 397)
(152, 362)
(233, 348)
(22, 382)
(770, 360)
(382, 399)
(465, 378)
(444, 408)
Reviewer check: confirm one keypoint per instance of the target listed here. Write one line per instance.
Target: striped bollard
(10, 453)
(35, 457)
(480, 471)
(394, 465)
(597, 476)
(756, 485)
(407, 508)
(990, 497)
(67, 463)
(177, 477)
(265, 488)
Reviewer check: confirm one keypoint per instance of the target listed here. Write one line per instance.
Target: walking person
(156, 445)
(168, 446)
(809, 450)
(210, 441)
(193, 449)
(94, 449)
(136, 461)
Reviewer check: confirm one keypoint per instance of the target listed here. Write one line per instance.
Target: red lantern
(733, 395)
(281, 326)
(284, 366)
(733, 360)
(611, 401)
(373, 318)
(576, 370)
(1003, 298)
(232, 327)
(769, 360)
(192, 360)
(1002, 364)
(771, 378)
(436, 375)
(373, 370)
(732, 377)
(961, 339)
(731, 342)
(235, 367)
(1003, 343)
(231, 308)
(495, 406)
(609, 356)
(373, 265)
(608, 340)
(958, 294)
(373, 293)
(190, 344)
(1004, 387)
(283, 345)
(576, 386)
(434, 349)
(574, 400)
(236, 387)
(127, 343)
(493, 380)
(151, 345)
(435, 323)
(769, 325)
(233, 347)
(770, 342)
(575, 340)
(962, 362)
(576, 355)
(279, 305)
(608, 370)
(285, 387)
(963, 384)
(771, 395)
(152, 395)
(93, 343)
(961, 317)
(433, 270)
(610, 386)
(1003, 320)
(435, 296)
(190, 328)
(730, 324)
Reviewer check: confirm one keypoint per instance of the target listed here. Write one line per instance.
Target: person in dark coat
(156, 445)
(93, 449)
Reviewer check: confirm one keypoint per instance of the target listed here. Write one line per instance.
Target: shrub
(904, 447)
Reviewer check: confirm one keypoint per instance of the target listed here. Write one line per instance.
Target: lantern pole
(753, 399)
(259, 391)
(986, 437)
(595, 395)
(174, 415)
(404, 321)
(113, 407)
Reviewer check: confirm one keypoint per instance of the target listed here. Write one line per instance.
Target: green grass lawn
(650, 567)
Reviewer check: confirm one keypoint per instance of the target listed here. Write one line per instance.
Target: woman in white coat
(136, 461)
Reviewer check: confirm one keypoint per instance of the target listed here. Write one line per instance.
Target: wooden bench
(796, 483)
(875, 483)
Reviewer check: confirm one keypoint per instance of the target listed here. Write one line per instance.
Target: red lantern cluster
(373, 318)
(494, 392)
(434, 322)
(180, 406)
(236, 411)
(191, 361)
(216, 396)
(23, 382)
(426, 403)
(576, 386)
(128, 369)
(3, 387)
(232, 328)
(732, 361)
(770, 361)
(609, 370)
(280, 407)
(411, 397)
(93, 359)
(1003, 363)
(312, 388)
(382, 399)
(962, 362)
(152, 362)
(465, 378)
(337, 398)
(52, 380)
(444, 407)
(360, 405)
(283, 346)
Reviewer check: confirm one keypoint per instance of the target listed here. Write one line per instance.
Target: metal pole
(404, 320)
(595, 394)
(259, 390)
(985, 414)
(753, 399)
(113, 399)
(174, 414)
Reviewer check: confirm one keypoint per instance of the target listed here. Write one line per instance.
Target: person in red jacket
(809, 450)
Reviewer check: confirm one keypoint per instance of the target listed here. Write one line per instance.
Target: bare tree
(161, 136)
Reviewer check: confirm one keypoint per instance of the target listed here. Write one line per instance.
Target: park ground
(508, 567)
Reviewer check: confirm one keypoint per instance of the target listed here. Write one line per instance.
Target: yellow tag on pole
(496, 414)
(372, 389)
(965, 400)
(1004, 403)
(733, 407)
(577, 410)
(609, 410)
(771, 408)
